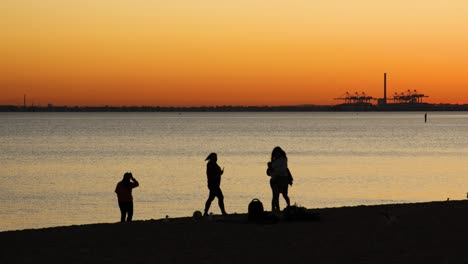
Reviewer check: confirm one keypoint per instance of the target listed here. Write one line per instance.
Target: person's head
(278, 153)
(127, 177)
(212, 157)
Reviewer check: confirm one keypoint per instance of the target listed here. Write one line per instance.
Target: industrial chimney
(385, 88)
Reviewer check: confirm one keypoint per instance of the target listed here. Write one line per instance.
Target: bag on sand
(255, 210)
(298, 213)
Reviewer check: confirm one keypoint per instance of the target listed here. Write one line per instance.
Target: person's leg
(129, 211)
(277, 206)
(275, 199)
(286, 198)
(273, 195)
(211, 197)
(285, 195)
(220, 196)
(122, 211)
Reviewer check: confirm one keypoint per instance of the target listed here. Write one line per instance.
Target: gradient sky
(215, 52)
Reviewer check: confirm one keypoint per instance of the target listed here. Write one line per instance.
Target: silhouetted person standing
(213, 173)
(124, 196)
(280, 177)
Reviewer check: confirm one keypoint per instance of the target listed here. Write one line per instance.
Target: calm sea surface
(61, 168)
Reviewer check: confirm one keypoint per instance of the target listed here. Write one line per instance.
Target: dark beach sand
(435, 232)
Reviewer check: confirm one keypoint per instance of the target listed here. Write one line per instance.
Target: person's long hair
(278, 153)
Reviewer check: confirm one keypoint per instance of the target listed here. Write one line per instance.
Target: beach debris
(197, 215)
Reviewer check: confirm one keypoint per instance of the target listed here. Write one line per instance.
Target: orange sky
(185, 53)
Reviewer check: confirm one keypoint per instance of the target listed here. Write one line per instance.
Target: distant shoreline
(300, 108)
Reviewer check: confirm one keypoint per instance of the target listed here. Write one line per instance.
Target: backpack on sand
(255, 210)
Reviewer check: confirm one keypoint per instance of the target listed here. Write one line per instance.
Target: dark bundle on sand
(299, 213)
(256, 214)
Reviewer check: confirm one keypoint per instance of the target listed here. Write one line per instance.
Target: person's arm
(290, 178)
(216, 169)
(135, 183)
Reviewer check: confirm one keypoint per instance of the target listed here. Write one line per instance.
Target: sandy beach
(434, 232)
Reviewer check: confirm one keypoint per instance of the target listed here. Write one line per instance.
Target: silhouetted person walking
(280, 177)
(124, 196)
(213, 173)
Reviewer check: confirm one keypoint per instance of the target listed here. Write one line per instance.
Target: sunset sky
(243, 52)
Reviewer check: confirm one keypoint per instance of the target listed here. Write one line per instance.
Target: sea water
(62, 168)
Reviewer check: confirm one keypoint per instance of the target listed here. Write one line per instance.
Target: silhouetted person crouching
(280, 177)
(124, 196)
(213, 173)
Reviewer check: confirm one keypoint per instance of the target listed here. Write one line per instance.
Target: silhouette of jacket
(213, 173)
(124, 192)
(278, 170)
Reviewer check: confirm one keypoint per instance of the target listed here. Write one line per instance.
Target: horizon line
(209, 106)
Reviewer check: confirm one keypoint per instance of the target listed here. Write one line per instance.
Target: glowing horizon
(181, 53)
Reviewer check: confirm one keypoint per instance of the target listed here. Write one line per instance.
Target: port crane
(355, 98)
(408, 97)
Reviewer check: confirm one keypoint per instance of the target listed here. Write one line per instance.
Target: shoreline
(219, 217)
(429, 232)
(349, 107)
